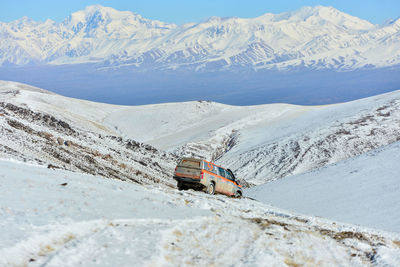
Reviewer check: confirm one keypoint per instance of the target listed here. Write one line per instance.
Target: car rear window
(190, 163)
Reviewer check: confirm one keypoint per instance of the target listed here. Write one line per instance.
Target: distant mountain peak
(89, 13)
(107, 20)
(98, 7)
(393, 22)
(320, 15)
(22, 22)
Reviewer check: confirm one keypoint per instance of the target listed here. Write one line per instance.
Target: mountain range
(312, 37)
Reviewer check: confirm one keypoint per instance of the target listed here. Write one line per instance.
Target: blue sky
(182, 11)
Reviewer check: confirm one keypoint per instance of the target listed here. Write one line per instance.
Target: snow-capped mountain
(89, 35)
(314, 37)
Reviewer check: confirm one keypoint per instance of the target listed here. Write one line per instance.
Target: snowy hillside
(57, 208)
(259, 143)
(313, 37)
(59, 132)
(265, 142)
(321, 136)
(55, 217)
(363, 190)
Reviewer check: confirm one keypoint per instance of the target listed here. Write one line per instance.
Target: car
(199, 174)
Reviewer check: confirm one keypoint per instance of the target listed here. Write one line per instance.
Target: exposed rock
(68, 143)
(60, 141)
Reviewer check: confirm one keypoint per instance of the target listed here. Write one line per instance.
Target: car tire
(238, 194)
(211, 189)
(181, 186)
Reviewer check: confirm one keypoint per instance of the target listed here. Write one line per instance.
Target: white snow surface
(313, 37)
(59, 218)
(362, 190)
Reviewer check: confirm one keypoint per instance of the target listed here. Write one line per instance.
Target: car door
(211, 172)
(231, 186)
(224, 184)
(219, 186)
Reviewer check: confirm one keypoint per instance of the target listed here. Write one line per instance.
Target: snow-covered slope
(201, 128)
(321, 136)
(59, 218)
(363, 190)
(260, 143)
(51, 216)
(265, 142)
(315, 37)
(59, 132)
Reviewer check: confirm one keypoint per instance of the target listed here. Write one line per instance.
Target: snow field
(56, 217)
(42, 215)
(362, 190)
(92, 221)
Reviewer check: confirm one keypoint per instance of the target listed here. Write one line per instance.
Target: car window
(229, 176)
(190, 163)
(205, 166)
(215, 170)
(208, 166)
(221, 172)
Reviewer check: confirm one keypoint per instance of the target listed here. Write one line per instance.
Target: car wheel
(238, 194)
(181, 186)
(211, 189)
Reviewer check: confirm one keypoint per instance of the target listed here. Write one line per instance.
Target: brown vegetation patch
(31, 116)
(47, 136)
(347, 234)
(265, 223)
(301, 220)
(107, 157)
(291, 263)
(19, 126)
(51, 166)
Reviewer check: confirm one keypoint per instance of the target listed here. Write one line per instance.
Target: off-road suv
(203, 175)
